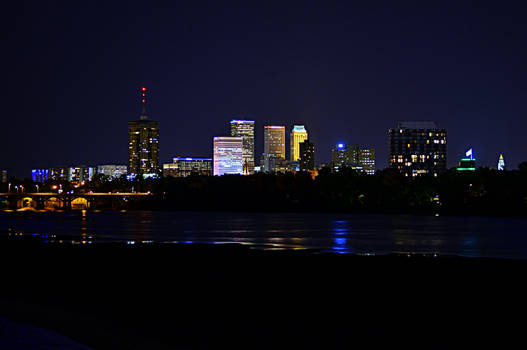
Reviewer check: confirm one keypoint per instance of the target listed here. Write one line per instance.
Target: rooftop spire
(143, 115)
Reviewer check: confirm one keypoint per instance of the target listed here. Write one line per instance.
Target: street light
(9, 187)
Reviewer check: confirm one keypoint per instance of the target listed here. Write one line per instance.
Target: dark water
(343, 233)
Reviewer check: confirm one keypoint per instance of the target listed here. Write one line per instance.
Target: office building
(343, 155)
(182, 167)
(501, 162)
(3, 176)
(367, 160)
(418, 148)
(298, 135)
(59, 174)
(40, 175)
(227, 155)
(274, 141)
(143, 144)
(112, 171)
(245, 129)
(81, 173)
(307, 155)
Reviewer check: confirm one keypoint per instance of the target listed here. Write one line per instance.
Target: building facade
(40, 175)
(112, 171)
(245, 130)
(59, 174)
(367, 160)
(3, 176)
(143, 146)
(183, 167)
(298, 135)
(81, 173)
(344, 155)
(274, 141)
(418, 148)
(272, 164)
(307, 155)
(227, 155)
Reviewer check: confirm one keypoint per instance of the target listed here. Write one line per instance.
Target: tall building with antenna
(143, 144)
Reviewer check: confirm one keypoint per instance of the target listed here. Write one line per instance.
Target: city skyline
(347, 72)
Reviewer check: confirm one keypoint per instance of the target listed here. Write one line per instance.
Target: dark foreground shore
(113, 296)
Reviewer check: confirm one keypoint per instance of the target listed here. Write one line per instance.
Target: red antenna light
(143, 88)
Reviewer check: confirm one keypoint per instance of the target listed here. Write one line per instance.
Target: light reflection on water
(359, 234)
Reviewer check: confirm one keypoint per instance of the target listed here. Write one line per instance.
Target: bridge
(69, 201)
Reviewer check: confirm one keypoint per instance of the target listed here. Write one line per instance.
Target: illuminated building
(501, 163)
(274, 141)
(3, 175)
(245, 129)
(468, 163)
(298, 134)
(59, 174)
(182, 167)
(112, 171)
(342, 155)
(367, 160)
(228, 155)
(143, 144)
(307, 155)
(40, 175)
(81, 173)
(418, 148)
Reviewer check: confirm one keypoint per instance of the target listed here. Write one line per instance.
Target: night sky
(72, 75)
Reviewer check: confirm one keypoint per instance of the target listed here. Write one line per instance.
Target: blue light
(340, 146)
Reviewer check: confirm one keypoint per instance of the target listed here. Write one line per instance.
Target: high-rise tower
(274, 141)
(298, 134)
(245, 130)
(143, 144)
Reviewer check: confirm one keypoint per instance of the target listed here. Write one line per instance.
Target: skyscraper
(367, 160)
(298, 134)
(274, 141)
(245, 129)
(143, 144)
(418, 148)
(307, 155)
(228, 155)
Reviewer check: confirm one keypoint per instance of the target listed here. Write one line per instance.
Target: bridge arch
(80, 203)
(53, 203)
(27, 202)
